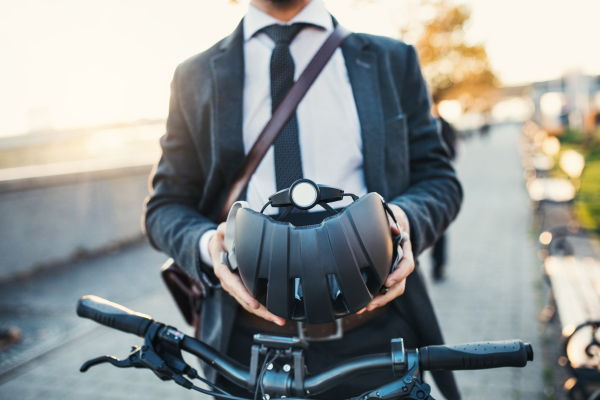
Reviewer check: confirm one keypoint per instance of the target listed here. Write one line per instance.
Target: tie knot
(284, 33)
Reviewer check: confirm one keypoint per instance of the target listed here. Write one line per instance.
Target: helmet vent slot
(372, 281)
(297, 304)
(337, 297)
(262, 285)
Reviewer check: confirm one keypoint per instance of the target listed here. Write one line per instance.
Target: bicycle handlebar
(318, 383)
(234, 371)
(485, 355)
(472, 356)
(113, 315)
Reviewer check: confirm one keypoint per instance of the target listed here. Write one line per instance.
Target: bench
(557, 190)
(574, 278)
(576, 288)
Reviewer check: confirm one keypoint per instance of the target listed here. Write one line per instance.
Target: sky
(89, 62)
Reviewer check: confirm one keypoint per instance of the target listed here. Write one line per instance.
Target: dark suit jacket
(404, 161)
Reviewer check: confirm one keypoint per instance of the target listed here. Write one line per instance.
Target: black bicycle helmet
(314, 273)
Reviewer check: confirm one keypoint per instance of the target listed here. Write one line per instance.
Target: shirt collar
(313, 13)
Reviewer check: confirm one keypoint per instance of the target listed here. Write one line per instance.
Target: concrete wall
(49, 220)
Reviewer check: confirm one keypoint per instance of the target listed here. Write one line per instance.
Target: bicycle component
(399, 361)
(167, 363)
(483, 355)
(113, 315)
(315, 273)
(406, 388)
(410, 385)
(286, 376)
(280, 342)
(131, 361)
(283, 371)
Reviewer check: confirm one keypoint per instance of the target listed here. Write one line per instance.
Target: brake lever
(133, 360)
(165, 365)
(405, 389)
(409, 386)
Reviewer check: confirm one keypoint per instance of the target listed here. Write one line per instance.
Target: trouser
(372, 337)
(439, 256)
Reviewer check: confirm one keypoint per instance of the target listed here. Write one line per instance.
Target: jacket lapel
(228, 72)
(362, 67)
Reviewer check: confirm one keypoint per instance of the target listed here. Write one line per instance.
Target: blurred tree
(453, 68)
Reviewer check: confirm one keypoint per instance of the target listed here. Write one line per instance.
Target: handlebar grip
(113, 315)
(482, 355)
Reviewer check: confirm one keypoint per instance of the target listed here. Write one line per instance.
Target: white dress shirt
(329, 129)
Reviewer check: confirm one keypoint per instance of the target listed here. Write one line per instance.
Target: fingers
(220, 237)
(230, 281)
(404, 268)
(263, 313)
(233, 284)
(396, 282)
(392, 293)
(395, 229)
(400, 217)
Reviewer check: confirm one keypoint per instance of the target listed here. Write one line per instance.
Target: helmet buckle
(339, 332)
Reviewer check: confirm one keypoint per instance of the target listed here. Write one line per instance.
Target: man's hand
(232, 283)
(396, 282)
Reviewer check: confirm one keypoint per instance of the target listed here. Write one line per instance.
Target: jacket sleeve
(434, 195)
(171, 218)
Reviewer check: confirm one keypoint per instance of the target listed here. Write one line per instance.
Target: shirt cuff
(204, 253)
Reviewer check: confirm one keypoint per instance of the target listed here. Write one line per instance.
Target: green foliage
(587, 207)
(586, 144)
(549, 379)
(594, 151)
(587, 204)
(572, 136)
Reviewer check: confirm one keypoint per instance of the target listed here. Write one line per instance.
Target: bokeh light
(545, 238)
(572, 163)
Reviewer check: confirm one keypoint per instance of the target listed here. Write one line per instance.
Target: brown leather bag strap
(282, 115)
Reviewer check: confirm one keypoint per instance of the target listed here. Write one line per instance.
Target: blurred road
(488, 295)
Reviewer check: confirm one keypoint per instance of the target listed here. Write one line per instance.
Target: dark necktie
(288, 162)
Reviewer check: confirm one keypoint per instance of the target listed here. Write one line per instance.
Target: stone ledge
(44, 175)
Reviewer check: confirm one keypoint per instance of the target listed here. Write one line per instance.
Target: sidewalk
(488, 295)
(45, 365)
